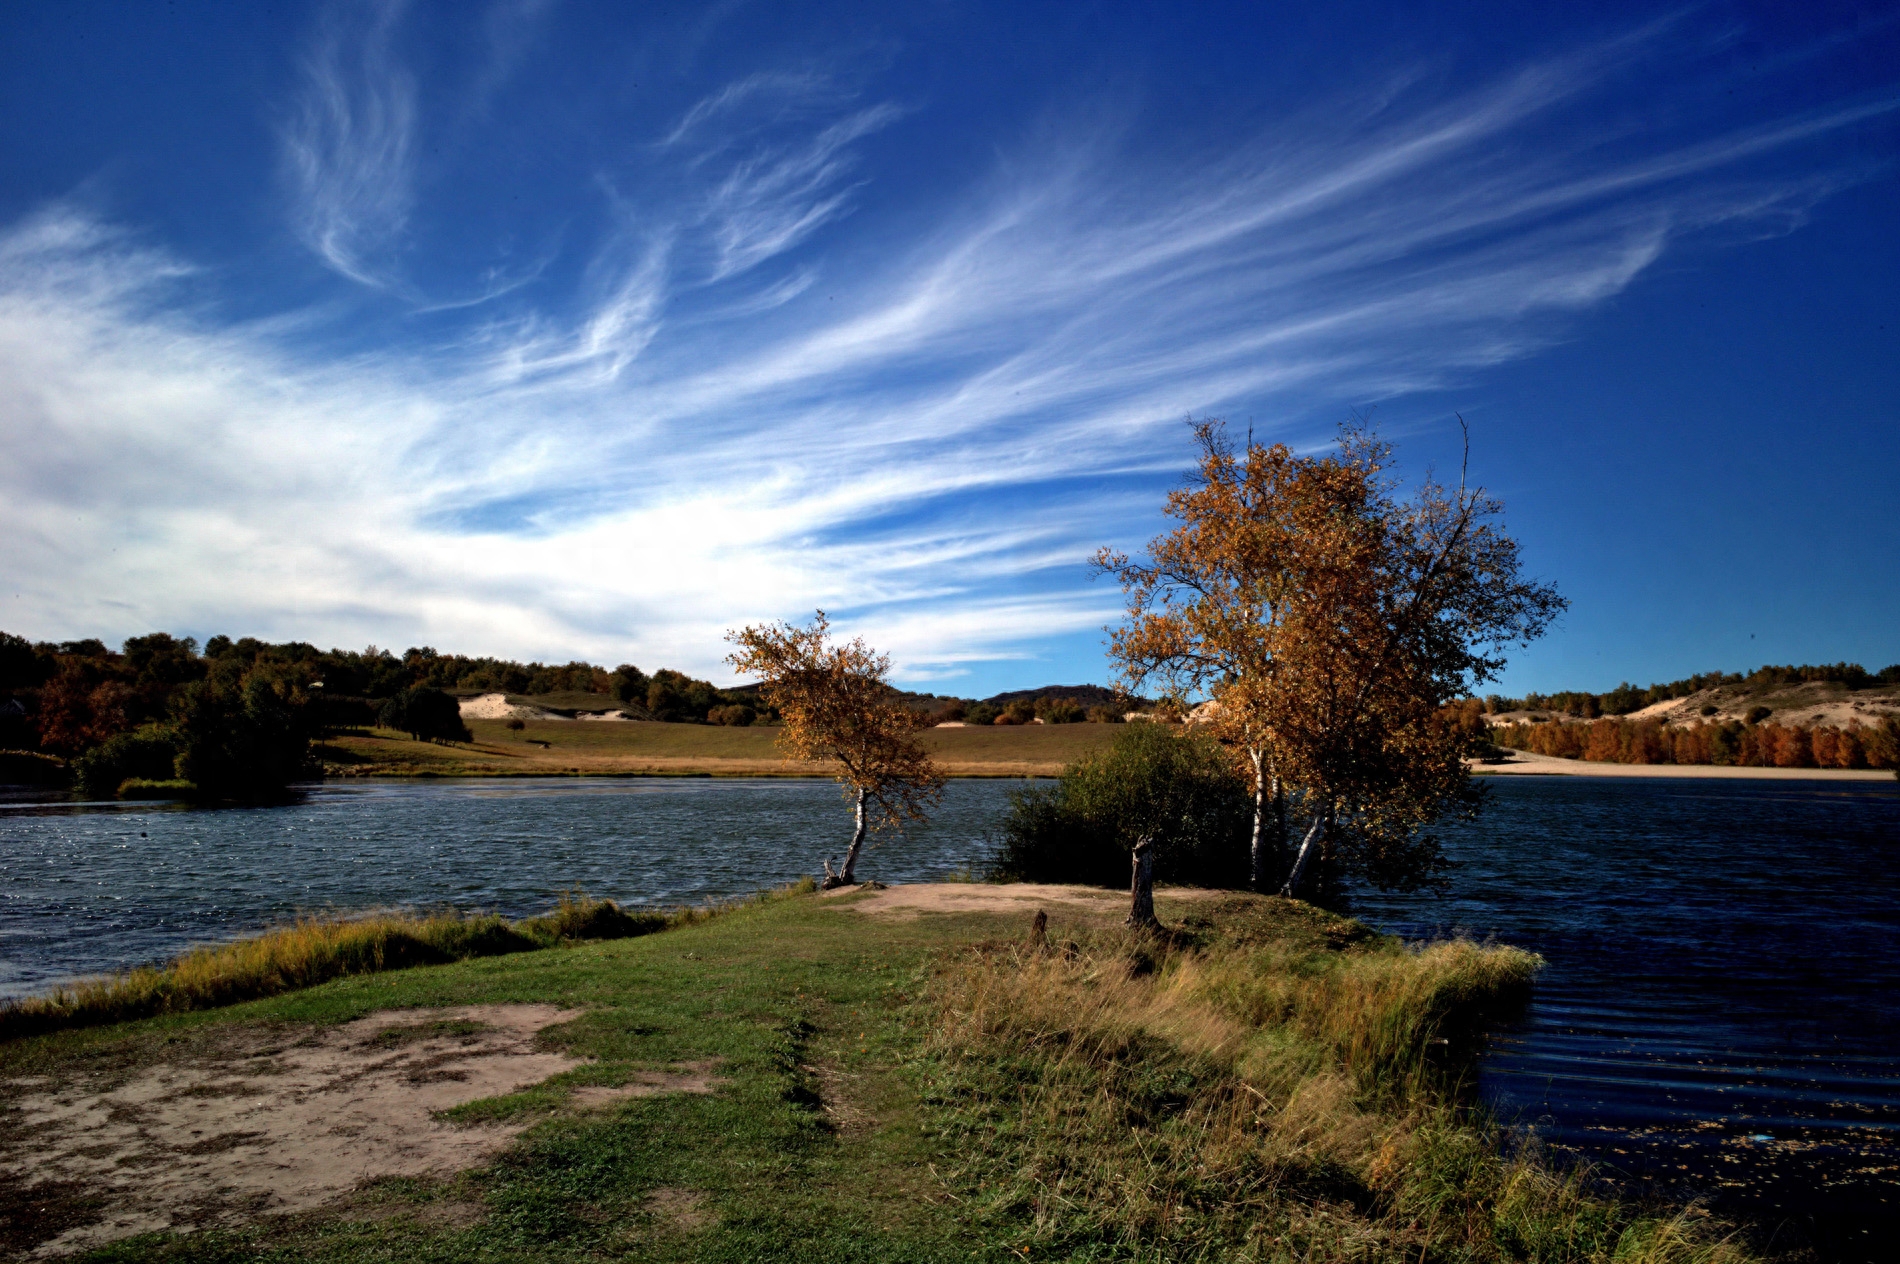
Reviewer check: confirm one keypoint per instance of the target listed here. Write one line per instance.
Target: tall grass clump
(314, 950)
(1272, 1084)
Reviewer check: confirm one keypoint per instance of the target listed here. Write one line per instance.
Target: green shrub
(579, 918)
(1180, 789)
(148, 788)
(146, 754)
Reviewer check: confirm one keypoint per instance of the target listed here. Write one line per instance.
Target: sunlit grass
(313, 950)
(1275, 1084)
(1264, 1082)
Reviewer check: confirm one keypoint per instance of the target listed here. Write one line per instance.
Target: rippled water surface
(89, 889)
(1720, 1015)
(1721, 1010)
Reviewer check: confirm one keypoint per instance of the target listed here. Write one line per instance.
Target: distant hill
(1087, 695)
(1830, 694)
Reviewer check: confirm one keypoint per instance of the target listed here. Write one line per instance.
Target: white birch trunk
(1279, 823)
(1294, 878)
(848, 875)
(1258, 851)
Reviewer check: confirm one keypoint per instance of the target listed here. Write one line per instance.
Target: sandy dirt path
(1524, 763)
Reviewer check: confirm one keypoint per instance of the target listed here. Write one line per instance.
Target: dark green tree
(1180, 790)
(425, 714)
(242, 734)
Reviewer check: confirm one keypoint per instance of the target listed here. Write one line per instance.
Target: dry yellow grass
(314, 950)
(1276, 1084)
(605, 748)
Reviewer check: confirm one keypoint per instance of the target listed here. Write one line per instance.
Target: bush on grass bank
(1178, 788)
(150, 788)
(316, 950)
(1271, 1085)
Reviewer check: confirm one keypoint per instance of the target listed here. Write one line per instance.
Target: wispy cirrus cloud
(697, 432)
(771, 201)
(349, 145)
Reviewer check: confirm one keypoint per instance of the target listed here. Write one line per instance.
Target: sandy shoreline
(1525, 763)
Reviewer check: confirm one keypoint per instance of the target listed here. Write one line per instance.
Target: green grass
(1261, 1085)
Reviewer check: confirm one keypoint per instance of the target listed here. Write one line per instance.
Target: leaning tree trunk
(1141, 890)
(848, 875)
(1257, 850)
(1279, 825)
(1307, 850)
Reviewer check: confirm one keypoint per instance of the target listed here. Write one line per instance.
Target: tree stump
(1142, 886)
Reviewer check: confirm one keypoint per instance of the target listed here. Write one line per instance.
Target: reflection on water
(1721, 1012)
(1720, 1016)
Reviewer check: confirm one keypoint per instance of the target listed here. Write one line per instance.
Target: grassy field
(1265, 1082)
(570, 747)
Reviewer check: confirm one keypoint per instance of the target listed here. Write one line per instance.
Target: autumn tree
(1208, 606)
(1407, 605)
(836, 705)
(1331, 621)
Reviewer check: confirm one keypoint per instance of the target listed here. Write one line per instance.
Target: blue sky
(555, 329)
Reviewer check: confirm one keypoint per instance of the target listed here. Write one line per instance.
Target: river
(1720, 1016)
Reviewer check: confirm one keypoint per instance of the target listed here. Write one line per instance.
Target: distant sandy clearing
(1528, 763)
(495, 706)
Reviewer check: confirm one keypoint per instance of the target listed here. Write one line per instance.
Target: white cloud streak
(929, 448)
(349, 148)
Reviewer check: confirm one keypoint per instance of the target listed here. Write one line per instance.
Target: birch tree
(837, 706)
(1208, 608)
(1331, 621)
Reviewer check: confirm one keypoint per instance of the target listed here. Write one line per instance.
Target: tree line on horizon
(238, 718)
(1734, 743)
(1627, 698)
(1606, 735)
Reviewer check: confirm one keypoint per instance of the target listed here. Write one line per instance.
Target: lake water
(1720, 1015)
(1721, 1011)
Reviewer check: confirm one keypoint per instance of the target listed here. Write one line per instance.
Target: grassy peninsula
(908, 1074)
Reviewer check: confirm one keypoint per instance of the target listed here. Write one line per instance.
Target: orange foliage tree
(1332, 622)
(837, 707)
(1209, 605)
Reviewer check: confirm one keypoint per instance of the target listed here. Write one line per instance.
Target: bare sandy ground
(495, 706)
(287, 1123)
(1525, 762)
(903, 903)
(1801, 706)
(1828, 706)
